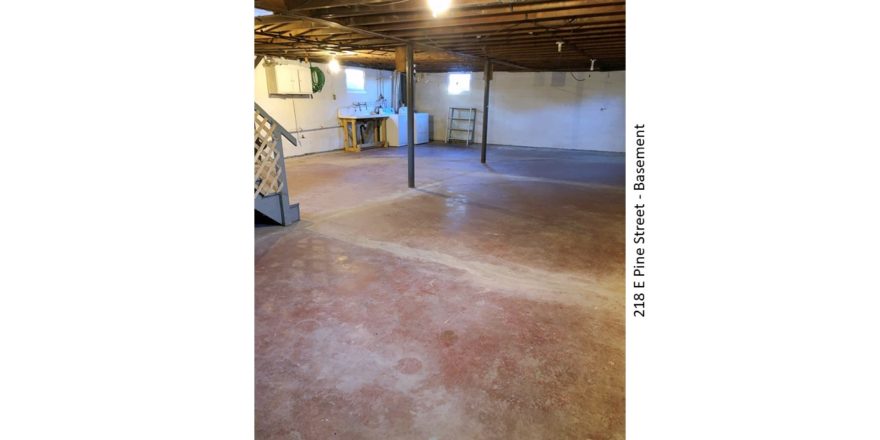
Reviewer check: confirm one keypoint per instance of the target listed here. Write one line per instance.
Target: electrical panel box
(289, 78)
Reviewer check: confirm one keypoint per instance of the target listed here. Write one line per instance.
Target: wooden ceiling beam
(520, 53)
(549, 37)
(489, 28)
(480, 24)
(547, 46)
(525, 17)
(270, 5)
(412, 6)
(516, 32)
(287, 28)
(275, 19)
(272, 27)
(545, 49)
(586, 23)
(379, 35)
(519, 34)
(305, 5)
(501, 9)
(305, 42)
(501, 32)
(543, 57)
(537, 39)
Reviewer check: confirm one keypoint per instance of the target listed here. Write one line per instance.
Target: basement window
(355, 80)
(459, 83)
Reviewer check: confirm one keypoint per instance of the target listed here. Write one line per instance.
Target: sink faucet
(358, 105)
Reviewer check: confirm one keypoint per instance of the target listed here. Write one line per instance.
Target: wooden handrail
(272, 120)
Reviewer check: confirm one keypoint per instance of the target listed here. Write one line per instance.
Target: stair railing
(270, 175)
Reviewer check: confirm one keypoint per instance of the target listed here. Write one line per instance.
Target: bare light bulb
(439, 6)
(334, 65)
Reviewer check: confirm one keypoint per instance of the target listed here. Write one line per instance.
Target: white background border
(127, 242)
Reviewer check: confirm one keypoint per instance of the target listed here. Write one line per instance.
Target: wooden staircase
(271, 198)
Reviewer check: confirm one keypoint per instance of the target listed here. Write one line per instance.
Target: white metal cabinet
(292, 78)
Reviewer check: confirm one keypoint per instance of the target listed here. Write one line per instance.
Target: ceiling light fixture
(334, 64)
(439, 6)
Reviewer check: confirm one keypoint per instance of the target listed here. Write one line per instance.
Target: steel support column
(487, 75)
(410, 116)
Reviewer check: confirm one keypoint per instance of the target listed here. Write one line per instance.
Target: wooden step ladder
(461, 121)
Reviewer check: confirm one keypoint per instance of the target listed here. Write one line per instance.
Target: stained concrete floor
(488, 303)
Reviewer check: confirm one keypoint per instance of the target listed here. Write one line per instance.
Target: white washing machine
(397, 128)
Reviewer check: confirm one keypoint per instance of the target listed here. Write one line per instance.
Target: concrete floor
(488, 303)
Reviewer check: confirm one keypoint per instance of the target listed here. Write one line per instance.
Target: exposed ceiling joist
(516, 34)
(392, 38)
(455, 16)
(418, 6)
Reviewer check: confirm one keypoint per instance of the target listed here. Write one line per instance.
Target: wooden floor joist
(516, 34)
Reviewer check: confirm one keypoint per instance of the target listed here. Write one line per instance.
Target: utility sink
(359, 114)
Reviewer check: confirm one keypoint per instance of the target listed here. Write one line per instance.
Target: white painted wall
(297, 114)
(536, 109)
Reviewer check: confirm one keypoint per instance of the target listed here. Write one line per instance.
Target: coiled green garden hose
(317, 79)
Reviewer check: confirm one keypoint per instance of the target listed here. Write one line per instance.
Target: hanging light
(439, 6)
(334, 64)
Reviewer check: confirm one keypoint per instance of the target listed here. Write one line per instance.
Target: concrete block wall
(536, 109)
(319, 112)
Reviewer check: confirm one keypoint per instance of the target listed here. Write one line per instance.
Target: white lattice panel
(267, 161)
